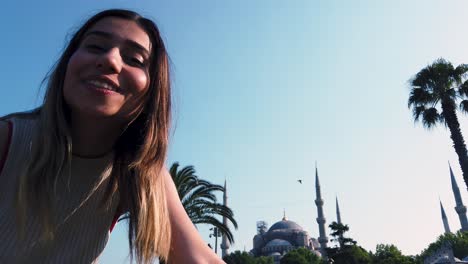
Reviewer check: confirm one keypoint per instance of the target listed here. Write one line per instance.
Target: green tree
(347, 251)
(199, 199)
(352, 254)
(338, 231)
(390, 254)
(293, 258)
(300, 256)
(238, 257)
(459, 242)
(264, 260)
(442, 85)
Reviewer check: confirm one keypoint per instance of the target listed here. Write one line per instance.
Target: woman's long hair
(140, 152)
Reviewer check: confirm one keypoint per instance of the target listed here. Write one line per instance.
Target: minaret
(338, 215)
(322, 239)
(444, 219)
(225, 243)
(338, 219)
(459, 208)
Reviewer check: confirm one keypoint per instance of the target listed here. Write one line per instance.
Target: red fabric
(114, 221)
(5, 153)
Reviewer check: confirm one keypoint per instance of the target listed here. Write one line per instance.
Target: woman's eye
(136, 62)
(94, 47)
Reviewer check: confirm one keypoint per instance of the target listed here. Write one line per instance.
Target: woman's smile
(103, 85)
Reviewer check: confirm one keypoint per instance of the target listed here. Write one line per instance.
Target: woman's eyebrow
(129, 42)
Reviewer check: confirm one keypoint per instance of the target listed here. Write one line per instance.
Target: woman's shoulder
(12, 120)
(4, 139)
(4, 131)
(31, 114)
(21, 118)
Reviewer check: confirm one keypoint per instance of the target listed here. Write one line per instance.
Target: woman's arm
(187, 246)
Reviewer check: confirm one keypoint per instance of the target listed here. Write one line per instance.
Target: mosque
(286, 235)
(280, 238)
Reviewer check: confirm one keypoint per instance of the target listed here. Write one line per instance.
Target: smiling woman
(94, 150)
(107, 75)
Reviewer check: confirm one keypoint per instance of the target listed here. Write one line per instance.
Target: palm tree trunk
(448, 111)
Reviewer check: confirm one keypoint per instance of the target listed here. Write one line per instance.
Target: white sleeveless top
(82, 229)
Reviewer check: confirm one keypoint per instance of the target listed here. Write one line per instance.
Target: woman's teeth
(103, 85)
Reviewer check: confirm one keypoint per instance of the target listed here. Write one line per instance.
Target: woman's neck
(93, 137)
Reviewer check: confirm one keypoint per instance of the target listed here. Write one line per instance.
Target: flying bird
(300, 181)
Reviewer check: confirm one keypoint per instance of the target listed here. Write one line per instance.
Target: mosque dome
(282, 237)
(274, 254)
(277, 245)
(285, 224)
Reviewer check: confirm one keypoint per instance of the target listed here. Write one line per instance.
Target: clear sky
(265, 88)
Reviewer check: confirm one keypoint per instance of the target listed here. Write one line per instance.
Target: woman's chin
(98, 112)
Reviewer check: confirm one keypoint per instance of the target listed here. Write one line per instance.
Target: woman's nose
(111, 61)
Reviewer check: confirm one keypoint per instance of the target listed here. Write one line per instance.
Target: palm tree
(199, 199)
(440, 84)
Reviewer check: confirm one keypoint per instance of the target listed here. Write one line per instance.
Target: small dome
(274, 254)
(277, 242)
(285, 224)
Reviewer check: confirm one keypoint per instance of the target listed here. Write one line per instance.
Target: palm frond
(438, 77)
(450, 94)
(460, 72)
(419, 96)
(430, 117)
(436, 84)
(417, 112)
(464, 106)
(207, 192)
(199, 199)
(173, 169)
(423, 79)
(463, 89)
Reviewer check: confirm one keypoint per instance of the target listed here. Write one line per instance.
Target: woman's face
(107, 76)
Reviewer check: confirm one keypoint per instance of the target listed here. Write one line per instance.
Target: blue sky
(265, 88)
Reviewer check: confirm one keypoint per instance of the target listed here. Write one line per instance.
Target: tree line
(347, 251)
